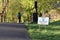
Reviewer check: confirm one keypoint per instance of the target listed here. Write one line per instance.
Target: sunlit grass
(44, 32)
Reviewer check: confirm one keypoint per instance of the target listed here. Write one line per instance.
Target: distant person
(19, 17)
(46, 11)
(40, 15)
(35, 17)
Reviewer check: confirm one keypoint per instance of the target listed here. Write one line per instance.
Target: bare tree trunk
(4, 5)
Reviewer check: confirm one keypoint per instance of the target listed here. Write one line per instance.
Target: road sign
(43, 20)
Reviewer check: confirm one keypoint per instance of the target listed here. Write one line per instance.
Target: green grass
(47, 32)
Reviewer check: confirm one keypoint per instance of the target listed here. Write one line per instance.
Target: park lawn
(44, 32)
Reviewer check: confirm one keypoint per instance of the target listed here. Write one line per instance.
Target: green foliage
(0, 6)
(43, 32)
(26, 7)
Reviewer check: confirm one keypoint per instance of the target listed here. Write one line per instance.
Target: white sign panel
(43, 20)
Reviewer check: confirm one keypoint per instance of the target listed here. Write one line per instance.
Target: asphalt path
(13, 31)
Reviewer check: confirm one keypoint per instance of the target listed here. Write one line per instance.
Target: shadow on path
(11, 31)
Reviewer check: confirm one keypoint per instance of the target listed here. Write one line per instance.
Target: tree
(26, 7)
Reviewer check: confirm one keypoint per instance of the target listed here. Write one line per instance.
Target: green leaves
(26, 6)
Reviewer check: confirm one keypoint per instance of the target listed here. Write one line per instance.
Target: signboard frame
(43, 20)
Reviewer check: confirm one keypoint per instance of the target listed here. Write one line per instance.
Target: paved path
(11, 31)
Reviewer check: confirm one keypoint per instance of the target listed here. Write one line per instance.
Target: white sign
(43, 20)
